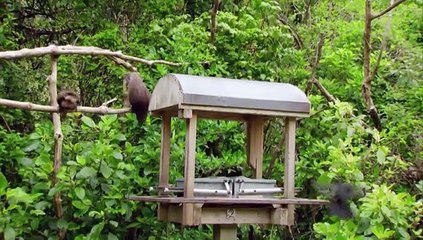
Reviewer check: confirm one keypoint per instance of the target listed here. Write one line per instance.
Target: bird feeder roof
(212, 94)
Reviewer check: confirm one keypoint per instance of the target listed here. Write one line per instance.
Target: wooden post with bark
(54, 52)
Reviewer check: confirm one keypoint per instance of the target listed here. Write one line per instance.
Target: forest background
(322, 46)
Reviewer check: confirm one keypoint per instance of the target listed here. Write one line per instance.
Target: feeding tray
(235, 187)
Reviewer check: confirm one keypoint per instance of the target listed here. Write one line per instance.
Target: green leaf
(105, 170)
(62, 223)
(81, 160)
(376, 171)
(80, 205)
(95, 231)
(378, 230)
(3, 183)
(358, 175)
(111, 236)
(113, 223)
(403, 233)
(72, 163)
(55, 190)
(27, 162)
(380, 156)
(33, 146)
(9, 233)
(386, 211)
(120, 137)
(80, 193)
(16, 195)
(37, 212)
(118, 155)
(41, 205)
(89, 122)
(86, 172)
(324, 179)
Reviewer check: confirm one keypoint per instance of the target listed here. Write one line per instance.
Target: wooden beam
(255, 126)
(165, 151)
(289, 173)
(164, 163)
(243, 111)
(189, 173)
(231, 201)
(224, 232)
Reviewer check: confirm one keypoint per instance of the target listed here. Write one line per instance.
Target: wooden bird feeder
(193, 97)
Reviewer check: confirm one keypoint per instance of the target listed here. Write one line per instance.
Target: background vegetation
(107, 157)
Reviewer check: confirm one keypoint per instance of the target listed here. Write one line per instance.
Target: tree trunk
(366, 86)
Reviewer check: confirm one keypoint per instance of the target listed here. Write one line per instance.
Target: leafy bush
(383, 214)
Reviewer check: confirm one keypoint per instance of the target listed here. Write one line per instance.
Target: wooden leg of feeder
(164, 164)
(189, 175)
(289, 174)
(255, 138)
(224, 232)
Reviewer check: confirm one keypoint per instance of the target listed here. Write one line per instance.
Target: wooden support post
(189, 174)
(255, 138)
(289, 174)
(165, 151)
(224, 232)
(164, 164)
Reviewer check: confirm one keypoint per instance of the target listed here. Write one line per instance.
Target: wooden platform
(230, 201)
(226, 211)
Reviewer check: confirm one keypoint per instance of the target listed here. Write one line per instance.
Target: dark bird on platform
(138, 95)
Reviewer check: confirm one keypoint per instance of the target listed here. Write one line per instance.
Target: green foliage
(107, 158)
(384, 214)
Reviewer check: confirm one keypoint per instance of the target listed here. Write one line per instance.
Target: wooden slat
(289, 172)
(165, 151)
(189, 173)
(231, 215)
(279, 216)
(244, 111)
(224, 232)
(235, 201)
(164, 163)
(255, 126)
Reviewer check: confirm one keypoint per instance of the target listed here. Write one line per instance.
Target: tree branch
(297, 39)
(213, 21)
(70, 50)
(275, 155)
(5, 124)
(315, 63)
(58, 140)
(383, 44)
(43, 31)
(55, 109)
(373, 17)
(366, 85)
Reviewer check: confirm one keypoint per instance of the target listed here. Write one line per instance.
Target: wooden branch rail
(58, 143)
(54, 52)
(117, 56)
(45, 108)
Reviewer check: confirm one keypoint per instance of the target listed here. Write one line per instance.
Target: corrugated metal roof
(177, 90)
